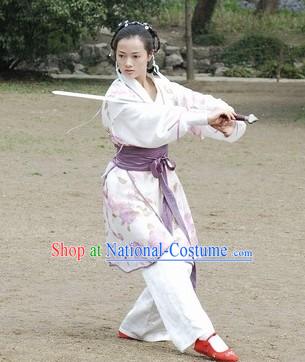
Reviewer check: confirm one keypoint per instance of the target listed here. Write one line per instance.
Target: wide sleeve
(210, 132)
(193, 100)
(148, 124)
(190, 99)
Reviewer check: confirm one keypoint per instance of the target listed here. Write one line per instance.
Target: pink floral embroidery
(127, 215)
(122, 92)
(123, 211)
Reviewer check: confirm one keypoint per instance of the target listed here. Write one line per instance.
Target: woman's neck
(148, 84)
(142, 80)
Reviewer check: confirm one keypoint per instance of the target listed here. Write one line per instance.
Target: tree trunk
(202, 16)
(189, 42)
(267, 6)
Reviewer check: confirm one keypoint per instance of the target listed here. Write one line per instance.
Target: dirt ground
(248, 195)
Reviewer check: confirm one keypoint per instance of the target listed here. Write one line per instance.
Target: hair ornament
(148, 27)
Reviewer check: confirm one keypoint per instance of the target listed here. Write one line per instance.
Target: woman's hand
(223, 120)
(227, 128)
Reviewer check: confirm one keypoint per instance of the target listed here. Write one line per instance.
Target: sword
(95, 97)
(239, 117)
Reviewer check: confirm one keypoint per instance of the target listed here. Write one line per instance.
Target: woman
(144, 202)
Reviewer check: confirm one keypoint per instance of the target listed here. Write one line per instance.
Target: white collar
(134, 85)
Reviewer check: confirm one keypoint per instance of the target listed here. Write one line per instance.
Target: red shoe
(123, 335)
(205, 348)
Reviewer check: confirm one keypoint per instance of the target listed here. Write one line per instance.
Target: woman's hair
(144, 31)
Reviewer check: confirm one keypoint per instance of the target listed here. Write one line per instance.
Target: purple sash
(156, 160)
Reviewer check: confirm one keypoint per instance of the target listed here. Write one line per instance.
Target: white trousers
(168, 308)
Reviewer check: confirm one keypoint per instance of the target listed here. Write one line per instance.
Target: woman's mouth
(128, 71)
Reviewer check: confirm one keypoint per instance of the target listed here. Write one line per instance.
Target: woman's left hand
(226, 127)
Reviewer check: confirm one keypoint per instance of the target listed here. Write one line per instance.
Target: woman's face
(132, 57)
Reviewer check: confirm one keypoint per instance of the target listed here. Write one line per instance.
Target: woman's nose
(128, 62)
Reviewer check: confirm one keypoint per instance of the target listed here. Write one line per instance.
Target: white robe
(133, 199)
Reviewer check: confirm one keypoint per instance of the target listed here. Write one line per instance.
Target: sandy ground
(247, 195)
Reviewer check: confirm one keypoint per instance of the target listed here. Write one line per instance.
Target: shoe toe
(204, 347)
(123, 335)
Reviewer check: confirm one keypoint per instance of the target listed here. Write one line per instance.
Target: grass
(234, 22)
(301, 115)
(22, 139)
(25, 142)
(46, 86)
(171, 12)
(286, 25)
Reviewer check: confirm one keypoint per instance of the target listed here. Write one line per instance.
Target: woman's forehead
(131, 45)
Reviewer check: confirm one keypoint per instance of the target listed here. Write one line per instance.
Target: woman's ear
(150, 56)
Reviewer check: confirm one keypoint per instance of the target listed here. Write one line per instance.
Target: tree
(30, 29)
(267, 6)
(202, 16)
(34, 28)
(132, 10)
(189, 42)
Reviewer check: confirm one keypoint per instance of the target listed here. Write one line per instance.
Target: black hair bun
(148, 27)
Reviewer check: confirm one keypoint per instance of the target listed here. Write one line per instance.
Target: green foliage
(270, 70)
(34, 28)
(231, 5)
(140, 10)
(270, 57)
(290, 71)
(255, 50)
(239, 71)
(232, 20)
(171, 12)
(229, 18)
(298, 52)
(209, 39)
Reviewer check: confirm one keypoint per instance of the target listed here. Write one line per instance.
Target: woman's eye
(136, 56)
(120, 56)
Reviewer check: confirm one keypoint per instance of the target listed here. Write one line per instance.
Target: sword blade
(94, 97)
(239, 117)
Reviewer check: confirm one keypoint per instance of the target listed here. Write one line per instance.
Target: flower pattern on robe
(123, 211)
(132, 200)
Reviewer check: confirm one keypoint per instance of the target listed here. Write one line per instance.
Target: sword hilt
(240, 117)
(250, 119)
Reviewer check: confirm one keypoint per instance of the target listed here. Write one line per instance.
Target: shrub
(298, 52)
(254, 50)
(240, 71)
(270, 70)
(33, 29)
